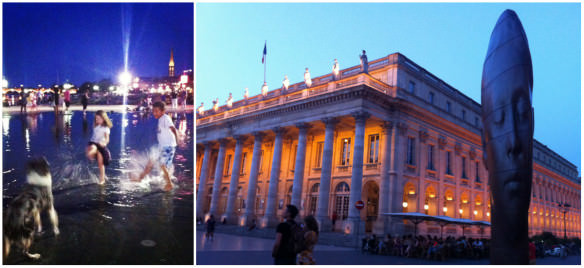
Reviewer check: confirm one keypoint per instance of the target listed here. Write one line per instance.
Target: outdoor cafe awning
(416, 218)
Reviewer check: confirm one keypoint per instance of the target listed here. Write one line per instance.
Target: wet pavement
(122, 222)
(226, 249)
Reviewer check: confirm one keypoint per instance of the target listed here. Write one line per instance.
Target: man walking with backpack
(289, 236)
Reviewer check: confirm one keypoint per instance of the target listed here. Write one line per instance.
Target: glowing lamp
(125, 78)
(405, 204)
(464, 201)
(432, 195)
(96, 87)
(449, 198)
(460, 211)
(426, 207)
(475, 212)
(184, 79)
(488, 214)
(412, 192)
(445, 209)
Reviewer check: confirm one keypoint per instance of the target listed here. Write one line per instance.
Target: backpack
(296, 238)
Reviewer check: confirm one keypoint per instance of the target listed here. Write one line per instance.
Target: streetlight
(564, 208)
(96, 87)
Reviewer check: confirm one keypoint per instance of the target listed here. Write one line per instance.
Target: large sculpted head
(507, 115)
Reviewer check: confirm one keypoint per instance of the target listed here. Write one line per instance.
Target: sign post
(358, 205)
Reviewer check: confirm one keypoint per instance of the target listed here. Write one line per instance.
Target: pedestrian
(210, 227)
(167, 140)
(334, 220)
(283, 251)
(85, 100)
(22, 100)
(174, 97)
(67, 99)
(310, 238)
(97, 147)
(531, 253)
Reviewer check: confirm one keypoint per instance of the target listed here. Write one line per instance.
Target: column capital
(279, 131)
(402, 128)
(442, 142)
(330, 121)
(423, 135)
(387, 125)
(258, 135)
(208, 144)
(222, 141)
(239, 139)
(360, 116)
(303, 127)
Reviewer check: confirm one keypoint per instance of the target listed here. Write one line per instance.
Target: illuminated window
(243, 158)
(293, 157)
(346, 152)
(373, 149)
(342, 200)
(313, 198)
(227, 169)
(261, 160)
(319, 150)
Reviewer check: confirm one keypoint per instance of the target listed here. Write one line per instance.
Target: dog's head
(38, 172)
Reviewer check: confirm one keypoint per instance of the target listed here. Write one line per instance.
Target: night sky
(60, 42)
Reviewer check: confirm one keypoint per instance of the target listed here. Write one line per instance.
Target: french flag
(265, 52)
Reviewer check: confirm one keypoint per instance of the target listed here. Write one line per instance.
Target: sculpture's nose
(513, 144)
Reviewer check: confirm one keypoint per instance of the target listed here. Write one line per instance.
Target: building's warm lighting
(449, 198)
(464, 201)
(534, 212)
(476, 212)
(411, 192)
(488, 214)
(426, 207)
(432, 195)
(405, 204)
(445, 209)
(125, 78)
(478, 203)
(460, 211)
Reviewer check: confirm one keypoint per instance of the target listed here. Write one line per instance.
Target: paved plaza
(228, 249)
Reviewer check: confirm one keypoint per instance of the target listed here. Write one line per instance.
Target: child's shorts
(166, 155)
(105, 153)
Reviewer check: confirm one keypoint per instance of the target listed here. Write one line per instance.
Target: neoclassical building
(398, 138)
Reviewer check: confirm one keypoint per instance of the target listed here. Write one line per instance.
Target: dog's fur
(24, 212)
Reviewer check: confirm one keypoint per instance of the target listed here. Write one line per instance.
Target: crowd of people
(428, 247)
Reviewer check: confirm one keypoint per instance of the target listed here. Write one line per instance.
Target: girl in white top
(97, 147)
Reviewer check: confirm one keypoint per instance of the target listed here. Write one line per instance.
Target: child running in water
(97, 147)
(167, 141)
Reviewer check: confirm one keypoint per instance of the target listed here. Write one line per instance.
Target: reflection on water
(105, 225)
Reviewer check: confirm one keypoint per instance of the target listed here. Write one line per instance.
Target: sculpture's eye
(523, 111)
(499, 116)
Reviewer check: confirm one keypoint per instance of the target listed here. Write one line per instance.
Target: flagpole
(266, 61)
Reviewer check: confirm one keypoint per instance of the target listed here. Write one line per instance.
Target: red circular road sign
(359, 204)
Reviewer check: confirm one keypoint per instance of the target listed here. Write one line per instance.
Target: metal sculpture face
(508, 123)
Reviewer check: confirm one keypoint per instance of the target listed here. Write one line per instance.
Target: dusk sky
(45, 43)
(449, 40)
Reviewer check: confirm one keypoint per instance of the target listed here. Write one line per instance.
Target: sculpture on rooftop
(265, 89)
(246, 93)
(508, 120)
(336, 70)
(285, 82)
(307, 79)
(230, 101)
(364, 63)
(201, 109)
(216, 104)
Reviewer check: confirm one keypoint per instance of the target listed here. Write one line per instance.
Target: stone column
(271, 217)
(299, 166)
(230, 213)
(325, 174)
(396, 172)
(218, 176)
(357, 172)
(383, 221)
(253, 178)
(203, 180)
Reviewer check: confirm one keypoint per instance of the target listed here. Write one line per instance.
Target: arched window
(313, 198)
(342, 192)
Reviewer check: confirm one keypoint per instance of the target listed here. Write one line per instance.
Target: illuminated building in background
(398, 138)
(171, 65)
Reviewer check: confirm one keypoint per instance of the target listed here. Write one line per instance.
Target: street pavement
(228, 249)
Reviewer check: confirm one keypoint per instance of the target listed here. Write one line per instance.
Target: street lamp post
(564, 208)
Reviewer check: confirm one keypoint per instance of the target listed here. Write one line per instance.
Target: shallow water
(122, 222)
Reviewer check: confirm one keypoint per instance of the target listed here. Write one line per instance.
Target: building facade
(398, 138)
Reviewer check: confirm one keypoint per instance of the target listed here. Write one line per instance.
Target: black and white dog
(23, 214)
